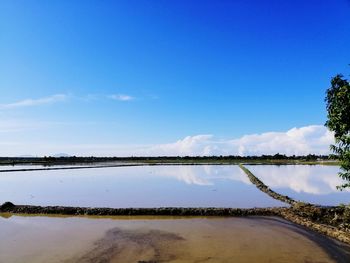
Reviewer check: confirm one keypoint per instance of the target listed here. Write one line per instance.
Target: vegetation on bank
(230, 159)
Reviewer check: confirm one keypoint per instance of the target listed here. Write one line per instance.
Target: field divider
(333, 221)
(264, 188)
(9, 207)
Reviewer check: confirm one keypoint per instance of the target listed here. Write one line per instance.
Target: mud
(120, 245)
(58, 239)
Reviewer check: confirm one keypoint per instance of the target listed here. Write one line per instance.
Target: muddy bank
(336, 216)
(264, 188)
(336, 232)
(9, 207)
(318, 219)
(333, 221)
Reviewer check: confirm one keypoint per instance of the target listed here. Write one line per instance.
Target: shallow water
(55, 166)
(162, 239)
(139, 186)
(309, 183)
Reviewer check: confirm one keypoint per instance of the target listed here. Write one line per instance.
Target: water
(39, 239)
(22, 166)
(162, 239)
(139, 186)
(309, 183)
(40, 166)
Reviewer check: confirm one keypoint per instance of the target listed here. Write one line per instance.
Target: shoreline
(74, 166)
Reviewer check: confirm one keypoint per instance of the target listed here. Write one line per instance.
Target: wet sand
(162, 239)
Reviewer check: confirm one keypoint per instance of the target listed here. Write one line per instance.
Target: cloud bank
(34, 102)
(313, 139)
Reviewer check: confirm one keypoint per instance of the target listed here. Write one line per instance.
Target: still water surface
(136, 186)
(309, 183)
(162, 239)
(64, 166)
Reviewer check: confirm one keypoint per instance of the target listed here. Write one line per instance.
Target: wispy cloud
(35, 102)
(121, 97)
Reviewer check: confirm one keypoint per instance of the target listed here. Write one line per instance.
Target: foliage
(338, 107)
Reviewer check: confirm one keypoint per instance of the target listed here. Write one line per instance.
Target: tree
(338, 108)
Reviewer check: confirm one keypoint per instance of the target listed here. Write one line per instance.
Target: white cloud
(191, 145)
(121, 97)
(313, 139)
(35, 102)
(299, 141)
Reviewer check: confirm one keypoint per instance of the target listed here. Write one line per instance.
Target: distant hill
(58, 155)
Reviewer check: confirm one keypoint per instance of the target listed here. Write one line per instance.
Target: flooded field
(34, 166)
(162, 239)
(152, 239)
(4, 168)
(139, 186)
(308, 183)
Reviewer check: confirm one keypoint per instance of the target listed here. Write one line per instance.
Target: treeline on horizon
(90, 159)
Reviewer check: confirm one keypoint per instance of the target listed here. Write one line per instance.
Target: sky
(142, 77)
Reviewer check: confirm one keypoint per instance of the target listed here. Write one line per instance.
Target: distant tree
(338, 107)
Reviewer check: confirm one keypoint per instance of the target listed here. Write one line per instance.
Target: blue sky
(82, 75)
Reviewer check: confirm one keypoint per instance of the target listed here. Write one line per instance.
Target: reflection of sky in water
(38, 166)
(141, 186)
(17, 167)
(309, 183)
(201, 175)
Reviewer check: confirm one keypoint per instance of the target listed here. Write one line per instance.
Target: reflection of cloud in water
(202, 174)
(311, 179)
(187, 174)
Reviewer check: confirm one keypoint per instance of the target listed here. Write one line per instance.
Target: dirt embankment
(318, 219)
(9, 207)
(333, 221)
